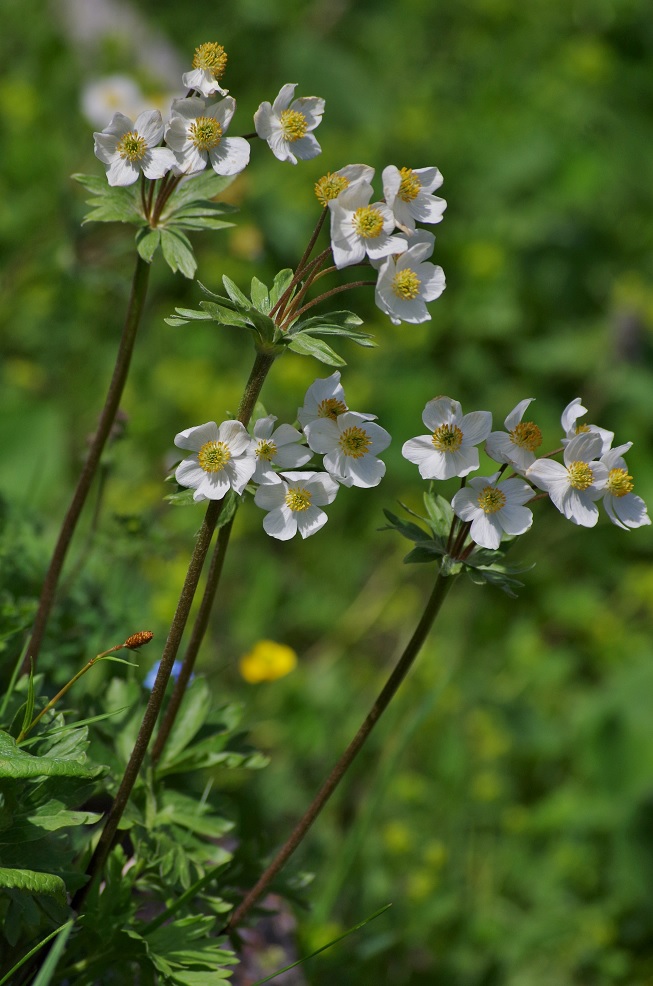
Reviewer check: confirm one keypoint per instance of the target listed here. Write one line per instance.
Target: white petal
(485, 530)
(194, 438)
(280, 523)
(230, 157)
(310, 521)
(517, 413)
(476, 427)
(272, 496)
(149, 125)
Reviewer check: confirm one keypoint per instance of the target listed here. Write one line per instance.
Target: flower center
(410, 186)
(266, 450)
(527, 435)
(447, 438)
(213, 456)
(619, 482)
(491, 500)
(355, 442)
(205, 133)
(293, 125)
(330, 407)
(582, 429)
(298, 499)
(132, 146)
(211, 56)
(406, 284)
(329, 187)
(368, 222)
(580, 475)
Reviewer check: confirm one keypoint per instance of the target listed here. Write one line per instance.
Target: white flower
(574, 486)
(196, 135)
(517, 448)
(351, 443)
(224, 459)
(570, 415)
(126, 148)
(209, 63)
(405, 283)
(449, 449)
(332, 184)
(621, 505)
(325, 398)
(111, 94)
(287, 123)
(409, 194)
(279, 446)
(358, 228)
(293, 504)
(494, 508)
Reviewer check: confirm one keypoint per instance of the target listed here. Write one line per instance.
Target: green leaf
(425, 553)
(64, 931)
(178, 252)
(147, 243)
(111, 203)
(194, 709)
(33, 882)
(198, 188)
(29, 703)
(260, 296)
(406, 528)
(440, 513)
(279, 285)
(15, 762)
(305, 345)
(338, 320)
(236, 294)
(49, 967)
(184, 498)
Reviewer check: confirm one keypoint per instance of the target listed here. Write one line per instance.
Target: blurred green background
(505, 806)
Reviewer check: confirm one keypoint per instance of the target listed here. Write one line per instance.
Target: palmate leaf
(306, 345)
(178, 252)
(111, 203)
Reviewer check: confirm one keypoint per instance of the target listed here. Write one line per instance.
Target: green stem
(412, 649)
(89, 469)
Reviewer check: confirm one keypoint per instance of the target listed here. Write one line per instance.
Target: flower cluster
(226, 457)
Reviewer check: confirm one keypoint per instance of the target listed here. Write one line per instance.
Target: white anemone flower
(575, 410)
(293, 504)
(196, 135)
(127, 148)
(575, 486)
(223, 459)
(409, 193)
(325, 398)
(111, 94)
(331, 185)
(494, 508)
(358, 228)
(209, 63)
(350, 444)
(450, 448)
(405, 282)
(277, 446)
(286, 125)
(517, 446)
(622, 506)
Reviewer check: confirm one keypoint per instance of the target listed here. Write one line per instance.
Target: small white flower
(126, 148)
(621, 505)
(331, 185)
(293, 504)
(350, 444)
(196, 135)
(494, 508)
(279, 447)
(358, 228)
(517, 447)
(575, 486)
(223, 459)
(209, 63)
(325, 398)
(408, 192)
(570, 415)
(286, 125)
(111, 94)
(405, 283)
(450, 448)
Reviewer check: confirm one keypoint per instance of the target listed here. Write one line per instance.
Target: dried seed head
(138, 639)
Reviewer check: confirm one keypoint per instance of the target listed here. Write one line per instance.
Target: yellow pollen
(330, 407)
(580, 475)
(491, 500)
(211, 56)
(329, 187)
(205, 133)
(213, 456)
(410, 185)
(266, 450)
(132, 146)
(527, 435)
(354, 442)
(298, 499)
(582, 429)
(293, 125)
(368, 222)
(447, 438)
(619, 482)
(405, 284)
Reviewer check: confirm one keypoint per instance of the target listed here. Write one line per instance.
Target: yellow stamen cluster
(368, 222)
(132, 146)
(298, 499)
(580, 475)
(266, 450)
(491, 500)
(582, 429)
(410, 186)
(205, 133)
(329, 187)
(447, 438)
(293, 125)
(406, 284)
(527, 435)
(213, 456)
(619, 482)
(211, 56)
(354, 442)
(330, 407)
